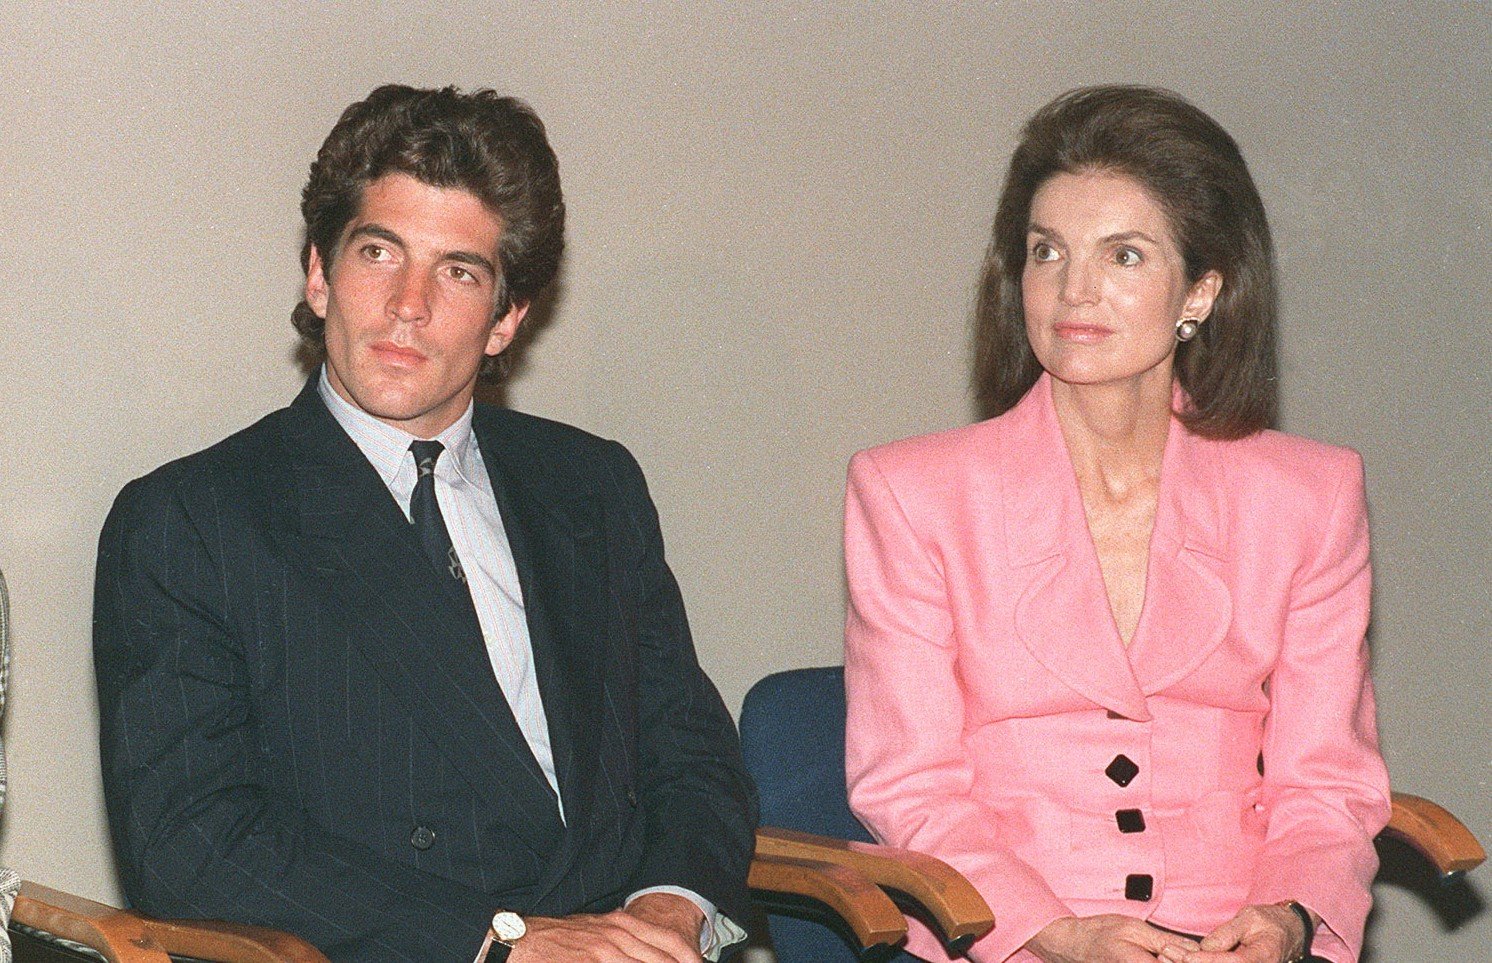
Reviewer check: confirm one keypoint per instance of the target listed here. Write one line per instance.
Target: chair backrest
(792, 735)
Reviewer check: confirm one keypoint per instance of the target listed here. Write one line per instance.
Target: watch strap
(1308, 927)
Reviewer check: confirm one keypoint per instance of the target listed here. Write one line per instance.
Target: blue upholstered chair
(792, 734)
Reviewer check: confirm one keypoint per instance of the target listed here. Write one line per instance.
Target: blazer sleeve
(907, 769)
(699, 805)
(196, 832)
(1325, 788)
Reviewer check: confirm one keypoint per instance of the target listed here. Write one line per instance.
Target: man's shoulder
(224, 470)
(527, 428)
(553, 447)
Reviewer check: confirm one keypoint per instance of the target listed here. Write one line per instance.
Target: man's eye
(462, 274)
(1042, 251)
(375, 252)
(1127, 257)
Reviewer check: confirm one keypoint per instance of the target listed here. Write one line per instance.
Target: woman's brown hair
(1193, 169)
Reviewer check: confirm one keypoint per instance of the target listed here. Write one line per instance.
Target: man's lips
(397, 354)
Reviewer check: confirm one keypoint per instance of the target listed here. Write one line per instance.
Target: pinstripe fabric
(464, 490)
(288, 697)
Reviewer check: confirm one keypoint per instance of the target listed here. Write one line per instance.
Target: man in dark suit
(387, 663)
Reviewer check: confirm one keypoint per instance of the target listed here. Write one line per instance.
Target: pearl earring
(1187, 328)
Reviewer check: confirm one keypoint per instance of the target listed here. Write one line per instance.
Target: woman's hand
(1105, 939)
(1258, 934)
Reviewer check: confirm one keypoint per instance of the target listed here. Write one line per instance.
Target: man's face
(409, 302)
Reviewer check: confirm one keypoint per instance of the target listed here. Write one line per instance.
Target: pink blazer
(1228, 756)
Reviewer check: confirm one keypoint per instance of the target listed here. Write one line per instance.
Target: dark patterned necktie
(424, 512)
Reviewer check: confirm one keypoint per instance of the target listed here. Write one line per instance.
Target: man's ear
(506, 328)
(316, 288)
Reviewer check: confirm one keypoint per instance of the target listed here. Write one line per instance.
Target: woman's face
(1104, 282)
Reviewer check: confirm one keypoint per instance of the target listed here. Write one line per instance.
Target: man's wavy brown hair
(492, 146)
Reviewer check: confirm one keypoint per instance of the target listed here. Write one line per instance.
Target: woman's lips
(1082, 332)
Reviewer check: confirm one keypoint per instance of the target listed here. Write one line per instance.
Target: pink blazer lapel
(1063, 617)
(1188, 605)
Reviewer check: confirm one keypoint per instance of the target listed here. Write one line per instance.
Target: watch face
(508, 926)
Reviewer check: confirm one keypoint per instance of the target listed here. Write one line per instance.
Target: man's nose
(410, 300)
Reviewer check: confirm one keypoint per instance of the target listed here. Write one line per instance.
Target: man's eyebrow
(476, 260)
(460, 257)
(375, 230)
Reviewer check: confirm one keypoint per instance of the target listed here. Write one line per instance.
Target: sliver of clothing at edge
(301, 728)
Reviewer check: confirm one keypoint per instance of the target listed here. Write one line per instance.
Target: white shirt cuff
(718, 931)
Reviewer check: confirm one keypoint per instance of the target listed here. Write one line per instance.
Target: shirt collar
(387, 447)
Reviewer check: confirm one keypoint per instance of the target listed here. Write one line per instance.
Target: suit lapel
(558, 551)
(1062, 616)
(426, 645)
(1188, 606)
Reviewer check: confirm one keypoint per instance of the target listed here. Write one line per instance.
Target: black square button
(1139, 887)
(1130, 820)
(1122, 770)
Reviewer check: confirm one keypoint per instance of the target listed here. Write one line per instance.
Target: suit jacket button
(422, 838)
(1122, 770)
(632, 798)
(1139, 887)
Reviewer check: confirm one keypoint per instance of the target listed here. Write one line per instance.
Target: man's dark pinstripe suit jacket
(301, 729)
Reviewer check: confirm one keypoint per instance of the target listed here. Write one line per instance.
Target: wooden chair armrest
(957, 908)
(1437, 834)
(231, 942)
(872, 917)
(121, 936)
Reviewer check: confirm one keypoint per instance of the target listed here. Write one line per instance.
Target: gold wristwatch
(507, 928)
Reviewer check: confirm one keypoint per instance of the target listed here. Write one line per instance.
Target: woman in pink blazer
(1105, 651)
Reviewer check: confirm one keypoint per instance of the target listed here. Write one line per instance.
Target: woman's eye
(1042, 251)
(1127, 257)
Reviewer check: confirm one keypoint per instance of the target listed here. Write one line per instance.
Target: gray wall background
(778, 210)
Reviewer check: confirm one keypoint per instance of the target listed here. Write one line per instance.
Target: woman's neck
(1115, 434)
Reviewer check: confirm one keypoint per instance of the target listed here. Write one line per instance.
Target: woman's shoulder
(937, 452)
(1283, 465)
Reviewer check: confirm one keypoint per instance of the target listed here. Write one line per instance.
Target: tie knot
(425, 455)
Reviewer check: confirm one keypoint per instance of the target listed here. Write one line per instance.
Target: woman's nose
(1079, 283)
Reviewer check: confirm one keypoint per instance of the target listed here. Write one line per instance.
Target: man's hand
(672, 912)
(1258, 934)
(1105, 939)
(655, 928)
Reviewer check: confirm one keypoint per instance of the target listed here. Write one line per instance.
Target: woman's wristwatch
(1307, 925)
(506, 930)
